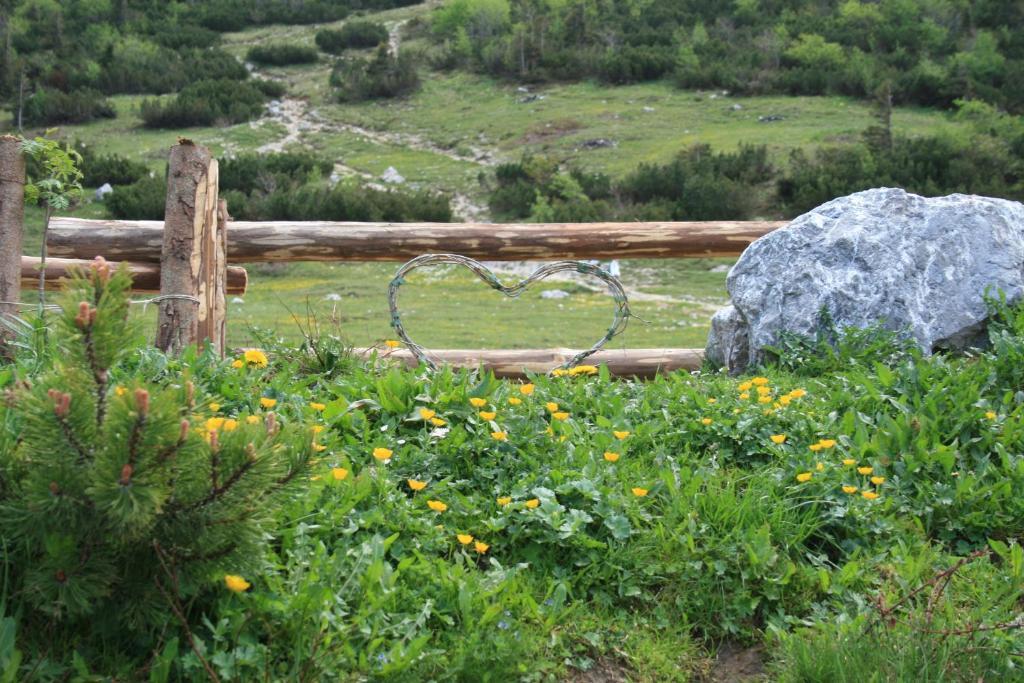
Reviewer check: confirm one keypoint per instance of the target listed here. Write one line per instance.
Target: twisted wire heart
(622, 313)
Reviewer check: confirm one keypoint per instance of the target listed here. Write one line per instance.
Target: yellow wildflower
(828, 443)
(255, 357)
(382, 454)
(583, 370)
(712, 400)
(392, 343)
(559, 372)
(464, 539)
(865, 470)
(804, 476)
(849, 461)
(745, 386)
(532, 503)
(236, 584)
(778, 438)
(416, 485)
(316, 429)
(991, 415)
(820, 467)
(437, 422)
(877, 481)
(488, 415)
(477, 402)
(620, 435)
(515, 401)
(784, 400)
(850, 489)
(339, 473)
(745, 395)
(526, 389)
(318, 448)
(436, 505)
(706, 421)
(481, 547)
(427, 413)
(268, 402)
(639, 492)
(551, 406)
(763, 391)
(214, 423)
(214, 407)
(252, 419)
(759, 381)
(120, 391)
(317, 406)
(611, 457)
(870, 495)
(561, 415)
(237, 364)
(815, 447)
(504, 500)
(499, 436)
(764, 399)
(798, 393)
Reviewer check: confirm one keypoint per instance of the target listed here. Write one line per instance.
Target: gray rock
(102, 191)
(392, 176)
(554, 294)
(917, 266)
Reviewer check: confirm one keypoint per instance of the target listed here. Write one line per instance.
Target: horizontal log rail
(141, 241)
(514, 363)
(145, 276)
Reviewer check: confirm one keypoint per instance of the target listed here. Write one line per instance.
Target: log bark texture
(507, 363)
(188, 263)
(145, 276)
(321, 241)
(12, 222)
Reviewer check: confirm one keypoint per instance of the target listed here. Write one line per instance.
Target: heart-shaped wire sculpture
(622, 313)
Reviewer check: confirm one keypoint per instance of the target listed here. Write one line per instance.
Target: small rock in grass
(554, 294)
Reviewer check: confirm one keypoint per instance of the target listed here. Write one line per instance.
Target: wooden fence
(189, 252)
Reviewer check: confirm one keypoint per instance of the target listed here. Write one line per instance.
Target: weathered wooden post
(12, 221)
(189, 263)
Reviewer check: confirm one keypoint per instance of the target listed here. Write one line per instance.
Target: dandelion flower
(237, 364)
(382, 454)
(850, 489)
(514, 401)
(426, 413)
(436, 505)
(437, 422)
(764, 399)
(820, 467)
(532, 503)
(784, 400)
(464, 539)
(316, 429)
(763, 391)
(865, 470)
(392, 343)
(706, 421)
(712, 400)
(526, 389)
(828, 443)
(804, 476)
(611, 457)
(561, 415)
(849, 461)
(991, 415)
(798, 393)
(551, 406)
(877, 481)
(268, 402)
(870, 495)
(120, 391)
(255, 357)
(477, 402)
(339, 473)
(745, 386)
(639, 492)
(759, 381)
(559, 372)
(488, 415)
(504, 500)
(499, 436)
(236, 584)
(815, 447)
(214, 407)
(481, 547)
(214, 423)
(778, 438)
(319, 407)
(252, 419)
(583, 370)
(620, 435)
(745, 395)
(416, 485)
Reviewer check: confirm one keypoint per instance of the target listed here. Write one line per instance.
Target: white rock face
(881, 256)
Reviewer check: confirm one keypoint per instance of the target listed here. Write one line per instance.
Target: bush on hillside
(205, 103)
(253, 172)
(343, 202)
(144, 200)
(281, 55)
(383, 76)
(47, 107)
(354, 34)
(108, 168)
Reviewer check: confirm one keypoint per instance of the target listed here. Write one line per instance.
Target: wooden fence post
(189, 262)
(12, 221)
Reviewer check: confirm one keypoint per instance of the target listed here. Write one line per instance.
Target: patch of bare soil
(552, 130)
(604, 670)
(737, 664)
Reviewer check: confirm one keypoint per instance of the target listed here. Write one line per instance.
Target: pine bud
(61, 402)
(142, 401)
(102, 376)
(54, 489)
(126, 475)
(60, 576)
(214, 442)
(92, 316)
(190, 394)
(250, 451)
(271, 424)
(83, 317)
(184, 430)
(101, 269)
